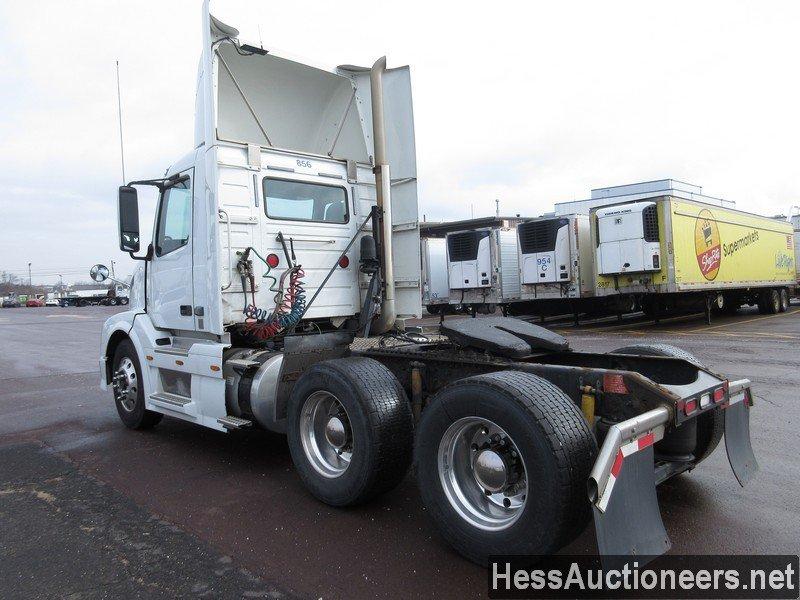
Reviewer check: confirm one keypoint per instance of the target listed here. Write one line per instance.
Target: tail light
(690, 406)
(719, 395)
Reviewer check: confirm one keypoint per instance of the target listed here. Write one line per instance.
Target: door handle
(186, 310)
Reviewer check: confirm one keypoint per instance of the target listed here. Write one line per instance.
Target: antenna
(121, 146)
(497, 209)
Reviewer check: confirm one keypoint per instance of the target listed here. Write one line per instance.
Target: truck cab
(283, 196)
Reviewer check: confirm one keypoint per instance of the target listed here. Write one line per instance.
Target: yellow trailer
(673, 253)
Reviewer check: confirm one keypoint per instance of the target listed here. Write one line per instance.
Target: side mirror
(128, 220)
(99, 273)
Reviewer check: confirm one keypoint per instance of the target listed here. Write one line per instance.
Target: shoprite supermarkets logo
(707, 244)
(709, 247)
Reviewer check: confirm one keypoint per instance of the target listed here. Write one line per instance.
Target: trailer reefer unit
(282, 236)
(674, 253)
(435, 283)
(482, 261)
(557, 270)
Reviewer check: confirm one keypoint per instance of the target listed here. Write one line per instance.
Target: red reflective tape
(617, 464)
(647, 440)
(614, 384)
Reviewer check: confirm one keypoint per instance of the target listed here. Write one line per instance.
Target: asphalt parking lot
(91, 509)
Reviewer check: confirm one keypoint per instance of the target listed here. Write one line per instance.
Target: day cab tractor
(274, 295)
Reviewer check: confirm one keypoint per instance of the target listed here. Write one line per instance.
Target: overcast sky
(529, 102)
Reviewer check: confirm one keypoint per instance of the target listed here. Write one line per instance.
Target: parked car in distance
(11, 303)
(34, 303)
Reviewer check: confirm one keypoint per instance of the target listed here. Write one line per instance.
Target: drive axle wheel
(350, 430)
(128, 387)
(502, 462)
(326, 434)
(482, 473)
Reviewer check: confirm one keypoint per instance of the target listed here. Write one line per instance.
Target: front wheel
(502, 462)
(129, 389)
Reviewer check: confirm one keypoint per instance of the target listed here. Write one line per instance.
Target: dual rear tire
(350, 430)
(501, 459)
(773, 301)
(502, 462)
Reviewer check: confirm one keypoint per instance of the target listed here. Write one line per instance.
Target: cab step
(172, 399)
(231, 422)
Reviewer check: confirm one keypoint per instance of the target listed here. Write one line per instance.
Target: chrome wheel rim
(326, 434)
(125, 384)
(482, 473)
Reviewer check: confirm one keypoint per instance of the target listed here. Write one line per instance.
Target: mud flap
(737, 442)
(631, 524)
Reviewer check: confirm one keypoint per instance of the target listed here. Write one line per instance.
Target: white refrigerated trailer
(557, 269)
(283, 235)
(482, 262)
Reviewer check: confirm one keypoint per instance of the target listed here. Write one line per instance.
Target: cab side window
(174, 218)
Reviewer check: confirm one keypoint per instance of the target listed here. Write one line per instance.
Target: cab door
(170, 297)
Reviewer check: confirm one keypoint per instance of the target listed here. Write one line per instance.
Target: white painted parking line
(69, 316)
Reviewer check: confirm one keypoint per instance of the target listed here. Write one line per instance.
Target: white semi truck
(283, 235)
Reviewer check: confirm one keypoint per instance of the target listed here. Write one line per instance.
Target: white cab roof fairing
(307, 110)
(300, 107)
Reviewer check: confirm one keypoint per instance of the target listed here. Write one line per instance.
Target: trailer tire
(553, 441)
(784, 300)
(83, 303)
(710, 425)
(123, 301)
(131, 408)
(354, 403)
(769, 302)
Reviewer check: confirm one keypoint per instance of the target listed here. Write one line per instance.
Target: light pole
(61, 281)
(112, 270)
(30, 280)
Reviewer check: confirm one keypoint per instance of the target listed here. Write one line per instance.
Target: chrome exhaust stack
(383, 184)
